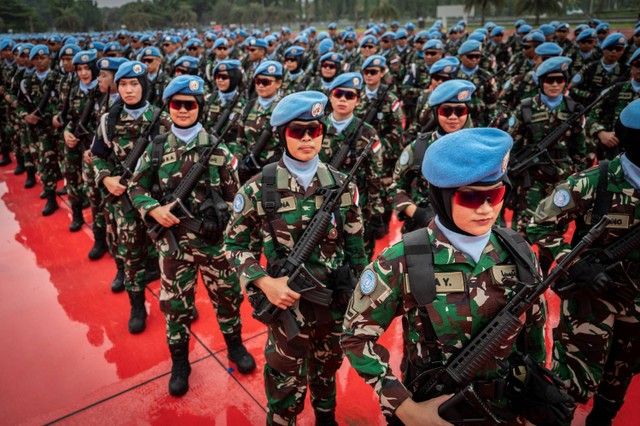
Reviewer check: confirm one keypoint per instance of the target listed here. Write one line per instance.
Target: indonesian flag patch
(376, 146)
(395, 105)
(234, 163)
(356, 196)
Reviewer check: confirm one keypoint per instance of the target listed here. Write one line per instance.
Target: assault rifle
(80, 131)
(300, 279)
(62, 117)
(520, 163)
(251, 163)
(456, 377)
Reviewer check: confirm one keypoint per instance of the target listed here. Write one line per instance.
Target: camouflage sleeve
(597, 121)
(402, 177)
(396, 121)
(243, 238)
(374, 174)
(490, 94)
(516, 130)
(376, 301)
(229, 181)
(353, 234)
(141, 183)
(239, 146)
(535, 325)
(231, 139)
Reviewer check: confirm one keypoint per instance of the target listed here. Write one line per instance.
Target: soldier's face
(130, 90)
(635, 70)
(222, 52)
(612, 54)
(6, 54)
(222, 81)
(41, 62)
(432, 56)
(476, 221)
(561, 35)
(553, 84)
(183, 110)
(452, 116)
(152, 63)
(84, 73)
(470, 60)
(586, 45)
(373, 76)
(328, 69)
(256, 53)
(105, 82)
(344, 101)
(267, 87)
(304, 139)
(169, 47)
(67, 63)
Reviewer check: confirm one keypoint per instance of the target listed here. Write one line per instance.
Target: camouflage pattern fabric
(484, 99)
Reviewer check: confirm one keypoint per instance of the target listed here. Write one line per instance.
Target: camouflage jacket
(36, 90)
(352, 61)
(248, 231)
(298, 84)
(593, 79)
(458, 313)
(579, 62)
(519, 64)
(156, 87)
(604, 115)
(77, 102)
(485, 98)
(214, 109)
(249, 132)
(370, 172)
(517, 88)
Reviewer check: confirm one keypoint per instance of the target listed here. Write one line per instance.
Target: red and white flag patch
(376, 146)
(234, 163)
(395, 106)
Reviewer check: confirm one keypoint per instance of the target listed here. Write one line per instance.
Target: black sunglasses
(458, 111)
(347, 94)
(473, 56)
(560, 80)
(615, 48)
(178, 104)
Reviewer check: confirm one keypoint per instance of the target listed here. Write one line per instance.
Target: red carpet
(68, 357)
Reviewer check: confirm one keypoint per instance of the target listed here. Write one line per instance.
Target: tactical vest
(535, 123)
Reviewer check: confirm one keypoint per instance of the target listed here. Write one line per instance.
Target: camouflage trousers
(27, 146)
(94, 194)
(600, 347)
(313, 361)
(71, 166)
(46, 148)
(128, 238)
(179, 276)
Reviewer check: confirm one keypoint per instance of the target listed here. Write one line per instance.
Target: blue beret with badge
(349, 35)
(388, 36)
(194, 42)
(258, 42)
(534, 37)
(325, 46)
(269, 68)
(227, 65)
(489, 24)
(332, 26)
(524, 29)
(98, 45)
(587, 33)
(301, 39)
(635, 56)
(69, 50)
(548, 48)
(85, 57)
(374, 61)
(562, 26)
(456, 91)
(305, 106)
(123, 33)
(555, 64)
(23, 48)
(603, 26)
(497, 31)
(519, 23)
(401, 33)
(184, 85)
(111, 64)
(332, 57)
(112, 46)
(188, 62)
(477, 36)
(469, 46)
(150, 51)
(39, 50)
(130, 69)
(447, 65)
(54, 38)
(368, 39)
(294, 51)
(351, 80)
(616, 39)
(221, 42)
(6, 43)
(467, 157)
(547, 29)
(433, 44)
(630, 115)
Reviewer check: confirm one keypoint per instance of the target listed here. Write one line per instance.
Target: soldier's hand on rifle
(69, 139)
(608, 139)
(277, 291)
(56, 121)
(32, 118)
(86, 156)
(163, 215)
(112, 183)
(422, 413)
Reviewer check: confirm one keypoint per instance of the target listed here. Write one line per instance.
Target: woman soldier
(314, 356)
(198, 233)
(330, 67)
(410, 192)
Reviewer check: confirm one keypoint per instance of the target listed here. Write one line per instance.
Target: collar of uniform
(287, 183)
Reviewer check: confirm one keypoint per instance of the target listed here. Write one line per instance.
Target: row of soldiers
(379, 99)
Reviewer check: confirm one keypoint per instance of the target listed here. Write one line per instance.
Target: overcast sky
(112, 3)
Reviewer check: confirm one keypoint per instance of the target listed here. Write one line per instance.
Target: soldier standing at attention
(158, 79)
(467, 181)
(313, 358)
(597, 341)
(199, 237)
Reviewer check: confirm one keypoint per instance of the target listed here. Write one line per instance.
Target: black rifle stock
(348, 144)
(80, 131)
(300, 279)
(252, 160)
(456, 377)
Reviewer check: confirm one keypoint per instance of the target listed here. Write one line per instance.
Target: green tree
(184, 16)
(67, 20)
(18, 16)
(483, 5)
(538, 7)
(384, 11)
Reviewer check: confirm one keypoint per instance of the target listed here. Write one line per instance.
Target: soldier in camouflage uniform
(466, 173)
(583, 52)
(121, 129)
(158, 79)
(352, 57)
(522, 61)
(8, 135)
(496, 47)
(198, 236)
(227, 76)
(561, 36)
(409, 190)
(314, 356)
(220, 52)
(43, 84)
(170, 45)
(330, 68)
(295, 79)
(396, 69)
(632, 46)
(531, 122)
(596, 343)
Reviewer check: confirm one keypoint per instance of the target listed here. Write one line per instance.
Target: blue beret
(555, 64)
(447, 65)
(435, 34)
(497, 31)
(581, 27)
(469, 46)
(534, 37)
(112, 46)
(457, 91)
(130, 69)
(322, 35)
(389, 35)
(554, 24)
(258, 42)
(151, 51)
(308, 105)
(243, 33)
(229, 64)
(595, 21)
(349, 35)
(332, 26)
(6, 43)
(111, 64)
(286, 30)
(312, 29)
(98, 45)
(477, 36)
(433, 44)
(368, 39)
(269, 68)
(519, 23)
(603, 26)
(489, 24)
(410, 26)
(374, 61)
(68, 50)
(194, 42)
(562, 26)
(524, 29)
(39, 49)
(54, 38)
(482, 31)
(586, 34)
(466, 157)
(635, 56)
(270, 39)
(630, 115)
(301, 39)
(401, 33)
(256, 33)
(184, 85)
(351, 28)
(352, 80)
(188, 62)
(85, 57)
(548, 49)
(332, 56)
(294, 51)
(395, 24)
(122, 33)
(325, 46)
(462, 22)
(547, 29)
(71, 40)
(615, 39)
(422, 34)
(210, 36)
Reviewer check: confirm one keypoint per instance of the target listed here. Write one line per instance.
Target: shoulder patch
(576, 79)
(512, 121)
(367, 282)
(404, 158)
(561, 198)
(238, 203)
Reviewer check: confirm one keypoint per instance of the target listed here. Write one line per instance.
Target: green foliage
(538, 7)
(384, 12)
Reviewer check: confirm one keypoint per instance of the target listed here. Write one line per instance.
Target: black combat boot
(78, 218)
(603, 412)
(99, 243)
(52, 203)
(238, 354)
(117, 285)
(137, 320)
(6, 157)
(31, 177)
(325, 418)
(62, 191)
(152, 267)
(20, 167)
(43, 194)
(179, 381)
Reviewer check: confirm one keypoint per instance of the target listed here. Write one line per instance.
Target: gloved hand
(245, 171)
(375, 227)
(536, 393)
(421, 217)
(585, 279)
(342, 282)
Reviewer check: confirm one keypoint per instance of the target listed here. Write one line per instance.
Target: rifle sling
(604, 198)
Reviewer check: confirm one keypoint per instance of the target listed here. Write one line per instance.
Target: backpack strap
(420, 149)
(527, 112)
(270, 202)
(520, 251)
(604, 198)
